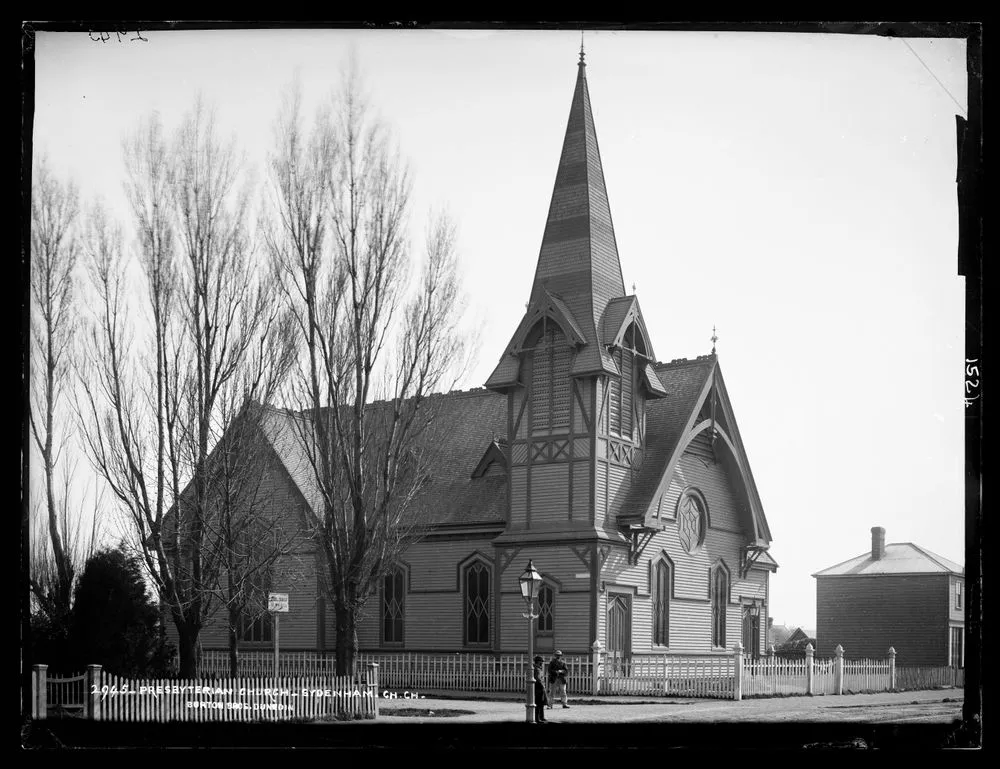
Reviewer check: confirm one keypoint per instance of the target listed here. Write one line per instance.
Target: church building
(624, 480)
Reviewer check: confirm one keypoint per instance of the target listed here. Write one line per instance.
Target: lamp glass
(530, 581)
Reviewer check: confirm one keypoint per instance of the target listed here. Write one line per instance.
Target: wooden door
(618, 631)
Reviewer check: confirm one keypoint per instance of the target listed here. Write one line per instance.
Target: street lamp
(530, 581)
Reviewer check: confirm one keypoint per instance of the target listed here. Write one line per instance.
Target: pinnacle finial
(714, 339)
(582, 54)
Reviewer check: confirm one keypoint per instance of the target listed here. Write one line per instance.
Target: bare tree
(58, 552)
(155, 404)
(339, 237)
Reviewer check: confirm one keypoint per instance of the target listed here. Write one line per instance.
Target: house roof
(465, 424)
(899, 558)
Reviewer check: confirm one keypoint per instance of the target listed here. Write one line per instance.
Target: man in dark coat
(540, 699)
(557, 678)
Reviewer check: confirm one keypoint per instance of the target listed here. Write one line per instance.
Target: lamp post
(530, 581)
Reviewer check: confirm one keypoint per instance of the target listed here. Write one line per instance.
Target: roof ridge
(933, 556)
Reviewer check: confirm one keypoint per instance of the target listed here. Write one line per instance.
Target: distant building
(897, 595)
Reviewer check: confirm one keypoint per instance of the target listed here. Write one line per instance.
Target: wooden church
(624, 480)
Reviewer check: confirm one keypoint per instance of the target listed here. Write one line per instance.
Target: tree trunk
(346, 639)
(187, 648)
(234, 647)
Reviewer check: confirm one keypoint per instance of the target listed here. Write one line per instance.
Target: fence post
(809, 668)
(838, 670)
(373, 680)
(92, 693)
(738, 683)
(892, 669)
(595, 663)
(39, 700)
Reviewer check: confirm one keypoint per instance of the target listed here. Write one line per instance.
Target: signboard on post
(277, 602)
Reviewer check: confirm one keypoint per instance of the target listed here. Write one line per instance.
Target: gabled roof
(666, 419)
(670, 423)
(617, 317)
(899, 558)
(472, 419)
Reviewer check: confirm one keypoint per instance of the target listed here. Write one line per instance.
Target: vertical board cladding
(868, 614)
(956, 610)
(582, 497)
(549, 493)
(518, 496)
(619, 483)
(581, 417)
(601, 497)
(520, 409)
(569, 577)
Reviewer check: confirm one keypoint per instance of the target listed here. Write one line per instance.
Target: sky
(794, 191)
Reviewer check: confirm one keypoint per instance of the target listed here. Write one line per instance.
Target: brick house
(623, 479)
(897, 595)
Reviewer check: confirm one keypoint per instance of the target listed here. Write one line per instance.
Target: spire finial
(582, 54)
(714, 339)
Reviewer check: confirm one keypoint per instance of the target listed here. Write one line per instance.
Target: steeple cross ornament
(714, 339)
(582, 54)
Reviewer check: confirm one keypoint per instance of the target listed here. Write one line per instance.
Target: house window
(255, 627)
(550, 382)
(958, 647)
(958, 595)
(661, 604)
(477, 604)
(392, 606)
(719, 582)
(545, 600)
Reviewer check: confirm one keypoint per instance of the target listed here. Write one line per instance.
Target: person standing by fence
(557, 678)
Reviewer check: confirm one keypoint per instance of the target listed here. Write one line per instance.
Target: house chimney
(878, 543)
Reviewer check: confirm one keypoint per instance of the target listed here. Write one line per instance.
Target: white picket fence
(101, 696)
(867, 676)
(669, 675)
(731, 676)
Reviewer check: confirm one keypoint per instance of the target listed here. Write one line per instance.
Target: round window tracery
(691, 520)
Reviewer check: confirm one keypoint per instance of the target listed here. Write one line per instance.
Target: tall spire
(578, 261)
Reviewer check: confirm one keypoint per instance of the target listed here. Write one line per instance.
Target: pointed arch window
(662, 581)
(477, 603)
(393, 607)
(719, 587)
(546, 599)
(550, 382)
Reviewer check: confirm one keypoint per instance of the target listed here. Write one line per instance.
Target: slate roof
(683, 381)
(899, 558)
(464, 425)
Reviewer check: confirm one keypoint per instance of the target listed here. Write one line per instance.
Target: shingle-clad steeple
(578, 265)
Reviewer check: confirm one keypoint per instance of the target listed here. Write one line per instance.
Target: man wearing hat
(540, 699)
(557, 678)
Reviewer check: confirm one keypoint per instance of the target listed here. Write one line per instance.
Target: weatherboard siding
(434, 563)
(868, 614)
(549, 493)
